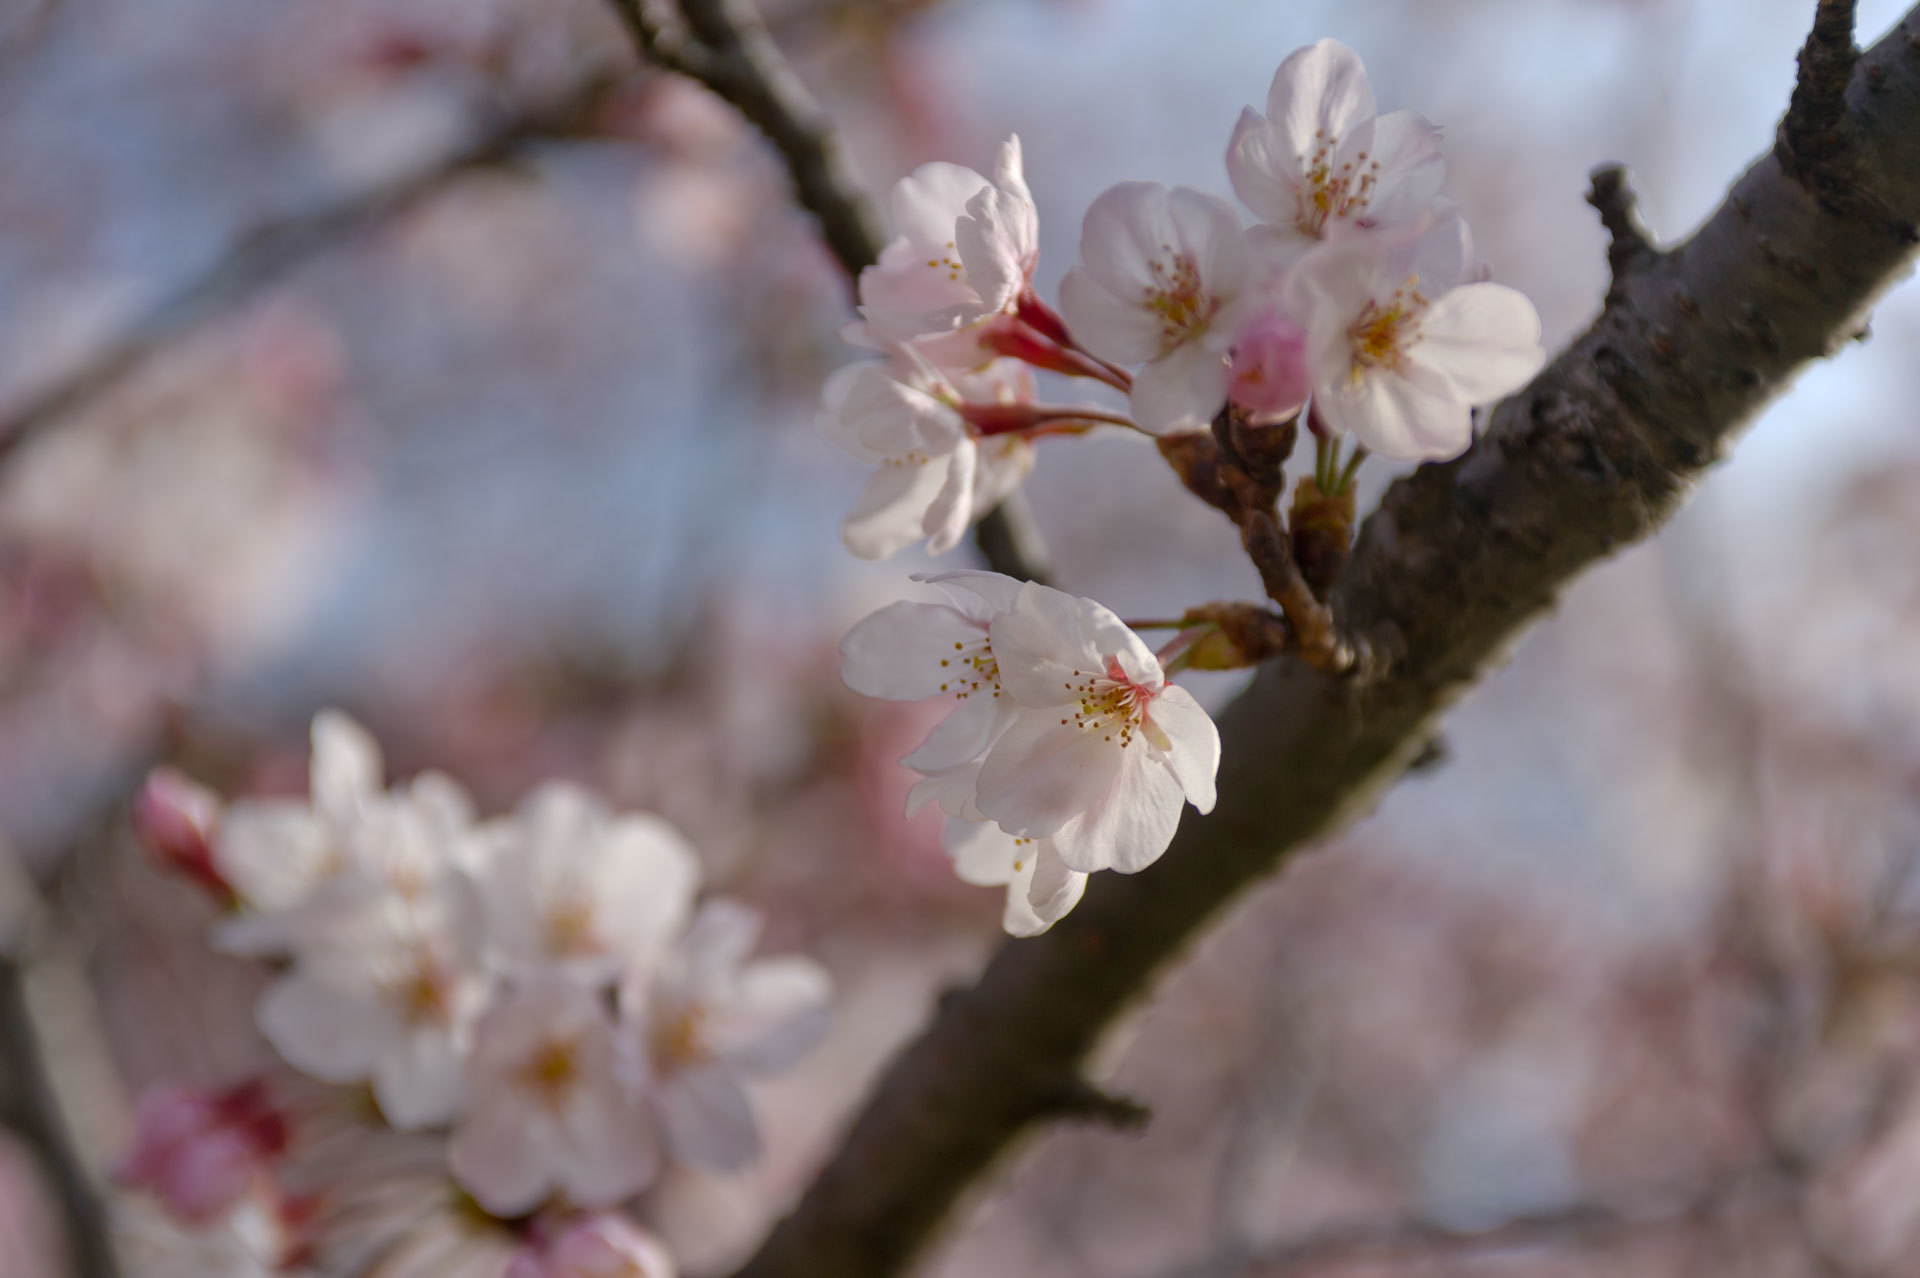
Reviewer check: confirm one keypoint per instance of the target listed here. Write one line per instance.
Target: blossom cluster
(1354, 302)
(541, 994)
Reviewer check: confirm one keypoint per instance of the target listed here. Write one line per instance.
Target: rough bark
(1591, 457)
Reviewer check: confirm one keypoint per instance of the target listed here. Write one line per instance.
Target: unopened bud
(1268, 377)
(175, 818)
(1322, 531)
(1232, 636)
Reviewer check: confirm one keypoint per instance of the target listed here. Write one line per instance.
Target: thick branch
(275, 249)
(731, 52)
(1594, 455)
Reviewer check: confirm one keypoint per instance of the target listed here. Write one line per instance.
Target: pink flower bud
(175, 818)
(1269, 375)
(603, 1246)
(199, 1153)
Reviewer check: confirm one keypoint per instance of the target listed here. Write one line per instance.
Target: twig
(727, 48)
(1630, 248)
(1811, 138)
(29, 1107)
(272, 250)
(1594, 455)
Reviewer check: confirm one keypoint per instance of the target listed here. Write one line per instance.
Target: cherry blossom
(553, 1106)
(965, 250)
(1040, 887)
(175, 819)
(1160, 271)
(917, 651)
(1105, 752)
(1320, 164)
(711, 1019)
(599, 1246)
(569, 885)
(1268, 375)
(1398, 354)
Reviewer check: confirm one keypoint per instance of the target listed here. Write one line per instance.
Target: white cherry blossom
(553, 1106)
(1104, 752)
(1398, 354)
(1321, 164)
(605, 1245)
(1040, 887)
(918, 651)
(570, 886)
(1160, 270)
(711, 1019)
(965, 250)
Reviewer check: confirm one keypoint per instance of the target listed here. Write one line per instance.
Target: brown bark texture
(1592, 456)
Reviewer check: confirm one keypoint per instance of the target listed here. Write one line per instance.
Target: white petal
(644, 886)
(1208, 230)
(1054, 889)
(966, 734)
(892, 510)
(773, 1016)
(346, 768)
(951, 511)
(1002, 463)
(1133, 822)
(1264, 171)
(610, 1148)
(982, 853)
(1050, 640)
(951, 788)
(1111, 326)
(417, 1081)
(1397, 419)
(896, 653)
(927, 202)
(272, 851)
(1182, 391)
(1194, 755)
(1319, 91)
(330, 1033)
(1040, 774)
(709, 1119)
(717, 944)
(496, 1157)
(1407, 148)
(1325, 293)
(1128, 228)
(995, 590)
(1480, 342)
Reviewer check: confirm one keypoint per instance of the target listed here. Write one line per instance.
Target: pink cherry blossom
(1268, 375)
(200, 1153)
(175, 819)
(1160, 270)
(553, 1105)
(1320, 163)
(599, 1246)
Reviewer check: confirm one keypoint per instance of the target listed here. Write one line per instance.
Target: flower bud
(1268, 377)
(200, 1153)
(175, 818)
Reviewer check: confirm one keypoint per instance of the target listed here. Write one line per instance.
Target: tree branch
(1591, 457)
(272, 250)
(1630, 246)
(727, 48)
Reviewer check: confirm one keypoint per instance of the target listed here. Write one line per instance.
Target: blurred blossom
(200, 1153)
(604, 1246)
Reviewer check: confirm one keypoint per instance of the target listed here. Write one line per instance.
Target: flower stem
(1352, 470)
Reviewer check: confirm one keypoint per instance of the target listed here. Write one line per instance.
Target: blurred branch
(725, 46)
(29, 1107)
(1594, 455)
(270, 251)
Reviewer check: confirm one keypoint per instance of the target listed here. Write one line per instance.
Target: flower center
(680, 1040)
(1113, 705)
(421, 990)
(1383, 334)
(1177, 297)
(552, 1070)
(1330, 193)
(972, 668)
(946, 262)
(569, 928)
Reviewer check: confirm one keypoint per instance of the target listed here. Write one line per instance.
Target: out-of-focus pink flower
(200, 1153)
(603, 1246)
(175, 818)
(1269, 376)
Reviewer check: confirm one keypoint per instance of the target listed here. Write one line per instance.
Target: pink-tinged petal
(890, 514)
(966, 734)
(1041, 774)
(1265, 173)
(1131, 825)
(346, 767)
(645, 885)
(1193, 751)
(1001, 465)
(1319, 92)
(1010, 174)
(773, 1016)
(1479, 342)
(717, 944)
(1325, 293)
(1407, 148)
(606, 1246)
(1208, 230)
(1440, 251)
(1396, 419)
(331, 1034)
(896, 653)
(982, 853)
(1182, 391)
(998, 239)
(927, 202)
(1268, 375)
(272, 852)
(951, 788)
(951, 511)
(1053, 890)
(499, 1159)
(1111, 326)
(709, 1119)
(1049, 642)
(611, 1151)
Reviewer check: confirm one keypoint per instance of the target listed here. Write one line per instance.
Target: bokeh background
(429, 359)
